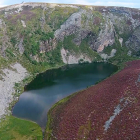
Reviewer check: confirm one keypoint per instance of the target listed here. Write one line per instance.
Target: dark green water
(53, 85)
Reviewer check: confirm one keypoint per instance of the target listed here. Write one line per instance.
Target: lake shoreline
(66, 99)
(90, 71)
(27, 80)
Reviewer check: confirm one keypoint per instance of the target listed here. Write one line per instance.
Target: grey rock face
(112, 54)
(72, 58)
(80, 36)
(123, 103)
(10, 77)
(129, 53)
(111, 22)
(20, 46)
(121, 41)
(46, 46)
(72, 25)
(133, 42)
(1, 23)
(23, 23)
(106, 36)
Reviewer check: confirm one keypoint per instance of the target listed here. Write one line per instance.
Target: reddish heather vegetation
(24, 15)
(97, 21)
(90, 114)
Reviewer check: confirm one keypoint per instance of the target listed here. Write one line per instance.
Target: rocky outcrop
(121, 41)
(112, 54)
(7, 84)
(100, 26)
(69, 58)
(106, 36)
(23, 23)
(133, 42)
(20, 46)
(70, 26)
(80, 24)
(46, 46)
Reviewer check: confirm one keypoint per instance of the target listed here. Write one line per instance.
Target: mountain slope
(39, 31)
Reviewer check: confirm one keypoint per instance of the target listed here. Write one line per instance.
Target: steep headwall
(38, 32)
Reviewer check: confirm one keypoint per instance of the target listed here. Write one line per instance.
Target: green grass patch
(69, 45)
(17, 129)
(87, 51)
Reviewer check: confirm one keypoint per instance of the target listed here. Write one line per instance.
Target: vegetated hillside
(42, 35)
(108, 110)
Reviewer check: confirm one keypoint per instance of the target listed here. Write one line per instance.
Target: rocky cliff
(56, 33)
